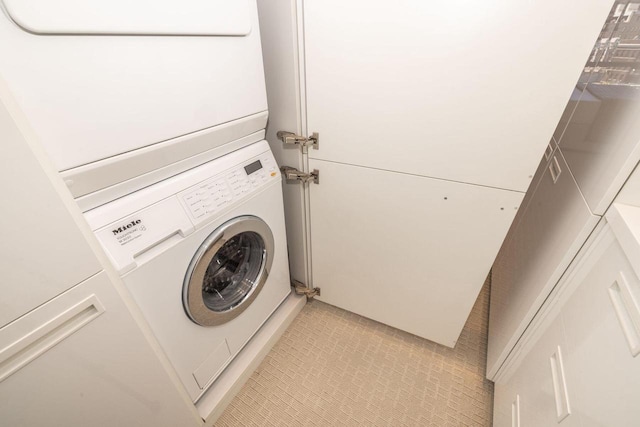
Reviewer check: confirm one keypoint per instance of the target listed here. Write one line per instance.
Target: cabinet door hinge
(293, 174)
(303, 141)
(302, 289)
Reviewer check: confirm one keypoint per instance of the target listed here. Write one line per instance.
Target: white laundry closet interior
(180, 178)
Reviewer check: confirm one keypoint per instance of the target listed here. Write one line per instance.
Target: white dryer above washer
(136, 90)
(145, 17)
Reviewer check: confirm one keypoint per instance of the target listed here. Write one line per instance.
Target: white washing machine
(204, 256)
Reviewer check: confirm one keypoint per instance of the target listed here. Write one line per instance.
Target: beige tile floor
(335, 368)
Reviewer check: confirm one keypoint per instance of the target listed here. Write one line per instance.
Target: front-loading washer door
(228, 271)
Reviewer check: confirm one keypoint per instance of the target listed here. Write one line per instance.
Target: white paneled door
(405, 250)
(432, 119)
(460, 90)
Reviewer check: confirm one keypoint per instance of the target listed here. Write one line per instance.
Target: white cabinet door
(603, 335)
(431, 119)
(444, 89)
(538, 392)
(600, 140)
(429, 136)
(544, 392)
(81, 360)
(506, 404)
(592, 346)
(554, 226)
(408, 251)
(43, 252)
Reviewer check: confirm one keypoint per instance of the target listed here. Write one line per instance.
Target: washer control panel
(209, 197)
(140, 225)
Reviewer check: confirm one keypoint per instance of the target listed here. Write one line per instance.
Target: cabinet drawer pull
(628, 312)
(515, 412)
(563, 410)
(34, 343)
(554, 169)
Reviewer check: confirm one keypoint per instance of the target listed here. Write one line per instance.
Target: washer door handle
(158, 247)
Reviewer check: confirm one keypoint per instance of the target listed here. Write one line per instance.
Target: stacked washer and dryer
(155, 120)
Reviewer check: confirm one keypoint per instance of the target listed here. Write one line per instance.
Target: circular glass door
(228, 271)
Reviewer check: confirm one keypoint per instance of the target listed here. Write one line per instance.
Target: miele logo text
(126, 227)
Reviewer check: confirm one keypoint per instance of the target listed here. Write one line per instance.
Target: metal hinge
(302, 289)
(303, 141)
(294, 174)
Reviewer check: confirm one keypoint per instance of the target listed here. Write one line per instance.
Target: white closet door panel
(407, 251)
(600, 331)
(90, 365)
(90, 98)
(151, 17)
(452, 90)
(43, 252)
(554, 226)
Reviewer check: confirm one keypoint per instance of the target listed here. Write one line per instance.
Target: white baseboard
(229, 383)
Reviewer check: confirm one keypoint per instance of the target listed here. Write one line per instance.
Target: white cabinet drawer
(81, 360)
(551, 231)
(603, 334)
